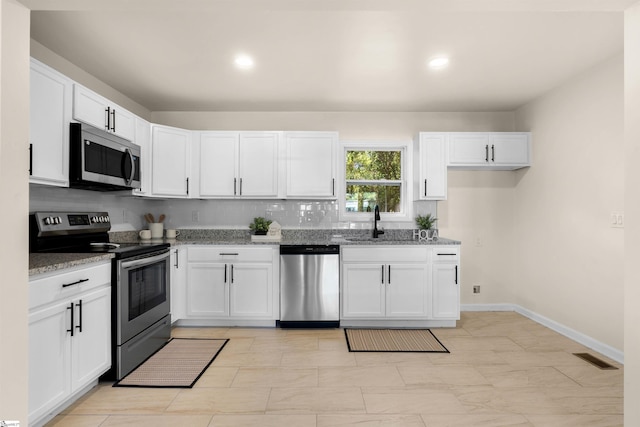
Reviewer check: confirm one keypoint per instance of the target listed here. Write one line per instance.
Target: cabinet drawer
(48, 289)
(384, 254)
(230, 254)
(446, 254)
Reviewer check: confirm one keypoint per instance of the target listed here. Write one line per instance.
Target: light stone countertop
(289, 237)
(40, 263)
(47, 262)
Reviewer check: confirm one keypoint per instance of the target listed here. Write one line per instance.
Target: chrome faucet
(376, 218)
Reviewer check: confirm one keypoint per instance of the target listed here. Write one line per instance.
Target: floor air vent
(594, 360)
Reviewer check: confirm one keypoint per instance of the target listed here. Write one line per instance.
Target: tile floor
(503, 370)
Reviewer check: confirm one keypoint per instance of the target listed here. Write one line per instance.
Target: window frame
(406, 182)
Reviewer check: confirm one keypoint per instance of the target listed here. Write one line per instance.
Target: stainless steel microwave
(102, 161)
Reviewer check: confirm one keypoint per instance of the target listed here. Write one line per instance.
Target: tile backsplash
(127, 212)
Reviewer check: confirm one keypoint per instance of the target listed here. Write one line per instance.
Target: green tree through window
(373, 178)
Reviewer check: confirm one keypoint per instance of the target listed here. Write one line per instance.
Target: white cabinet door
(217, 164)
(49, 118)
(445, 281)
(170, 149)
(143, 139)
(406, 291)
(207, 290)
(251, 290)
(97, 111)
(178, 283)
(510, 149)
(431, 166)
(49, 358)
(91, 342)
(258, 164)
(469, 148)
(363, 291)
(311, 164)
(124, 123)
(446, 291)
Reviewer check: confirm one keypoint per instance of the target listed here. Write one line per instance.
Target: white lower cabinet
(445, 278)
(385, 283)
(229, 285)
(178, 283)
(69, 337)
(400, 286)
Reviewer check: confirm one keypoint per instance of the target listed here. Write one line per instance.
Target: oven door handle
(144, 261)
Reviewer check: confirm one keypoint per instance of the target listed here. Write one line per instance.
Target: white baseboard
(579, 337)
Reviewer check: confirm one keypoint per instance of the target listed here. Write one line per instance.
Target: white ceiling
(331, 55)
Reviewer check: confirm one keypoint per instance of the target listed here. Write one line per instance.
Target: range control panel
(71, 222)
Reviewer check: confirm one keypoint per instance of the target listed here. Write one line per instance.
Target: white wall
(479, 213)
(14, 190)
(569, 262)
(77, 74)
(632, 212)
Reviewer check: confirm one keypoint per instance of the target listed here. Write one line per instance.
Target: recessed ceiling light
(439, 62)
(244, 62)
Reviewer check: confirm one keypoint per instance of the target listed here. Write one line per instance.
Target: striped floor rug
(393, 340)
(178, 364)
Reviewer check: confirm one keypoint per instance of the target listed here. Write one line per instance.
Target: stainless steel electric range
(140, 278)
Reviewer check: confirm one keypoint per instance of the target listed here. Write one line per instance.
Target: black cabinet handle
(456, 274)
(30, 159)
(79, 327)
(425, 188)
(493, 153)
(486, 153)
(225, 273)
(235, 182)
(107, 118)
(382, 275)
(231, 273)
(113, 122)
(187, 186)
(72, 322)
(64, 285)
(241, 186)
(389, 276)
(333, 186)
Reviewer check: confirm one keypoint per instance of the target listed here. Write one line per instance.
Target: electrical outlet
(476, 289)
(195, 216)
(617, 219)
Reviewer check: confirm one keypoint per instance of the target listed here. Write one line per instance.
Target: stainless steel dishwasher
(309, 286)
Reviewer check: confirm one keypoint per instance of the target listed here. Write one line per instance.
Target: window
(374, 174)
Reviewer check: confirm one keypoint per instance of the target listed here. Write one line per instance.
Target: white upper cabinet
(49, 118)
(489, 150)
(258, 164)
(237, 164)
(170, 161)
(430, 171)
(95, 110)
(310, 160)
(215, 163)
